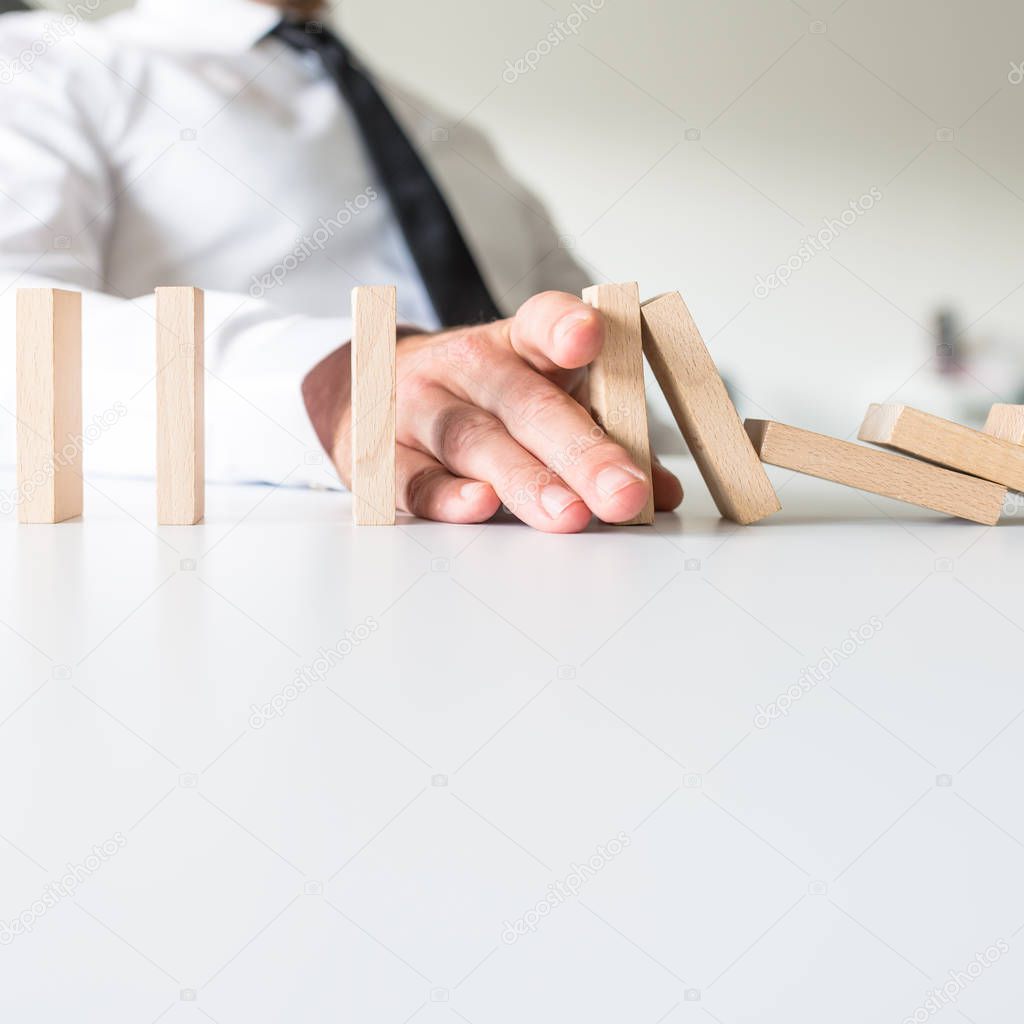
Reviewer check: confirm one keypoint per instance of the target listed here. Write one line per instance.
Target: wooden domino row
(932, 462)
(49, 405)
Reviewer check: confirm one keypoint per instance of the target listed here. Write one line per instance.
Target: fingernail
(567, 324)
(616, 478)
(556, 499)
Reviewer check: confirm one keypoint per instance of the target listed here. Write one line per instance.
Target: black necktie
(442, 257)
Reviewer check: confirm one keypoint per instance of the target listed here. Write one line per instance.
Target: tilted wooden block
(704, 412)
(180, 425)
(866, 469)
(945, 443)
(49, 404)
(1006, 422)
(618, 401)
(374, 342)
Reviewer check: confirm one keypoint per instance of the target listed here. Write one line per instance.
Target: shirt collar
(204, 26)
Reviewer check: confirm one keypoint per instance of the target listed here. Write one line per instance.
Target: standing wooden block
(866, 469)
(180, 429)
(1006, 422)
(946, 443)
(705, 414)
(374, 341)
(617, 398)
(49, 400)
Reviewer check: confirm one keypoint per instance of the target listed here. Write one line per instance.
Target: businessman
(239, 146)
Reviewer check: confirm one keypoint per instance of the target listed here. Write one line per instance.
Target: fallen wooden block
(374, 341)
(704, 412)
(866, 469)
(1006, 422)
(945, 443)
(49, 404)
(180, 428)
(618, 400)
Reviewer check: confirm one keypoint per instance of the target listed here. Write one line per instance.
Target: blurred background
(699, 146)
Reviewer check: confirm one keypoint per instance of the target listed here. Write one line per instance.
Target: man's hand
(488, 416)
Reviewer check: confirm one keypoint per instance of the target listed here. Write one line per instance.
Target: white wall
(800, 107)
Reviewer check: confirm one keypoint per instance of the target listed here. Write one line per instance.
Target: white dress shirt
(175, 144)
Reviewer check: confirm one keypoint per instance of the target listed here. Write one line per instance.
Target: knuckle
(458, 429)
(467, 351)
(603, 450)
(537, 401)
(522, 484)
(414, 388)
(584, 452)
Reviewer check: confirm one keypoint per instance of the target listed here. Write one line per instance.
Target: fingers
(492, 405)
(557, 331)
(668, 491)
(559, 432)
(426, 489)
(475, 444)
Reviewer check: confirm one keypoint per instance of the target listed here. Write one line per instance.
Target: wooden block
(1006, 422)
(180, 426)
(49, 404)
(617, 399)
(945, 443)
(866, 469)
(705, 414)
(374, 340)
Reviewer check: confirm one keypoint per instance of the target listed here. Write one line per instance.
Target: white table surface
(522, 700)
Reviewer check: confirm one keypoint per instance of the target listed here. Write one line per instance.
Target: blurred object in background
(948, 353)
(12, 5)
(991, 370)
(968, 373)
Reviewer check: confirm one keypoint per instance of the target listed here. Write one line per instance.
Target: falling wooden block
(701, 406)
(1006, 422)
(945, 443)
(866, 469)
(374, 341)
(617, 399)
(49, 404)
(180, 429)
